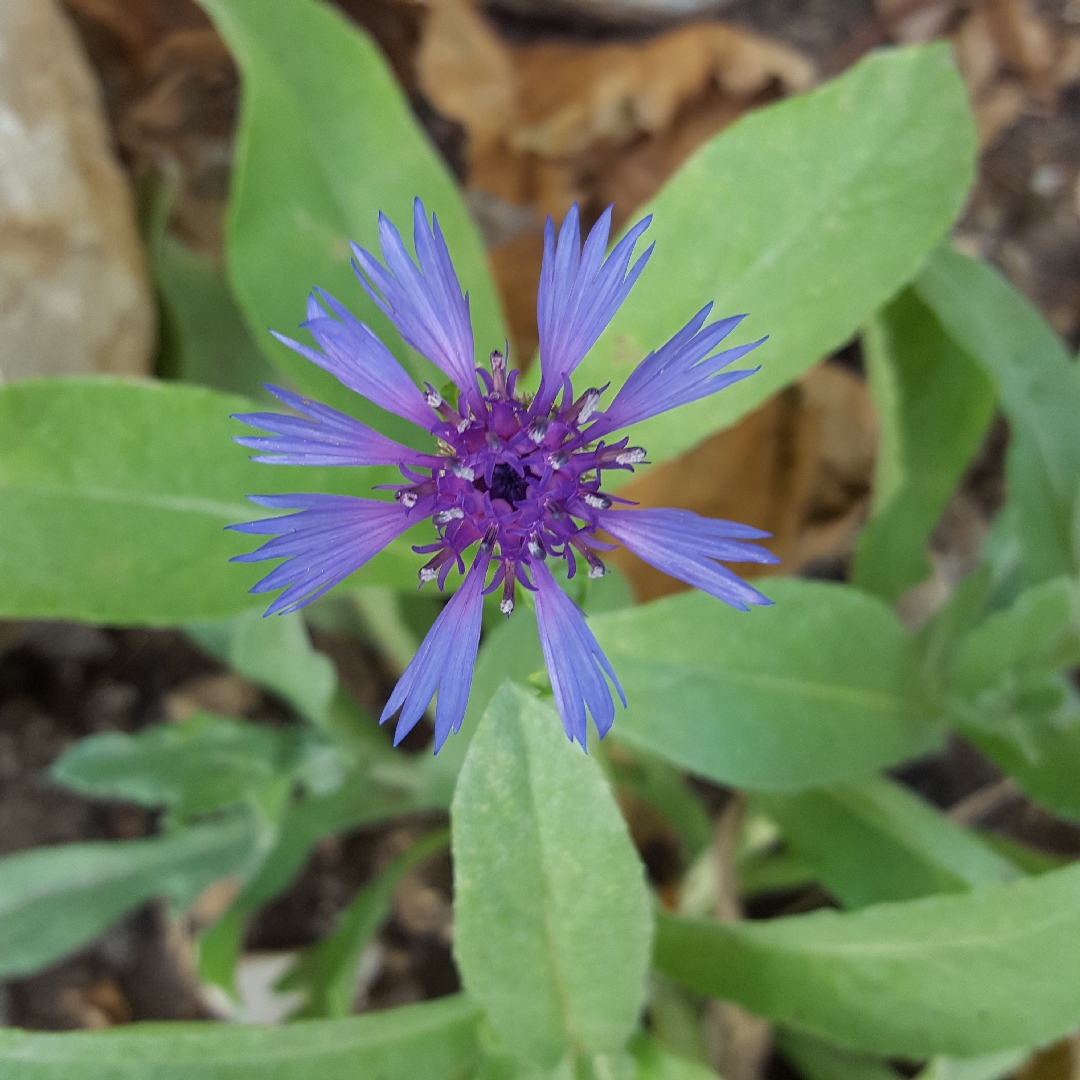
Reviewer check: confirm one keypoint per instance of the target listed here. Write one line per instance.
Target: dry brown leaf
(799, 467)
(549, 124)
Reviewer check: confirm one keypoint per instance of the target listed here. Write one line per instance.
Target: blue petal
(331, 537)
(424, 303)
(579, 293)
(684, 545)
(444, 662)
(359, 360)
(326, 437)
(678, 372)
(576, 665)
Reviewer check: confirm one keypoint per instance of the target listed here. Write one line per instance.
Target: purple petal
(326, 437)
(424, 303)
(359, 360)
(444, 662)
(579, 293)
(683, 370)
(575, 662)
(684, 545)
(331, 537)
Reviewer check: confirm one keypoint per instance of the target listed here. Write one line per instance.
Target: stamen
(465, 472)
(596, 500)
(536, 549)
(437, 402)
(506, 604)
(498, 372)
(559, 459)
(406, 498)
(537, 429)
(582, 409)
(632, 455)
(455, 513)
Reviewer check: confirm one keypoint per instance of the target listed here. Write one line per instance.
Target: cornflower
(520, 477)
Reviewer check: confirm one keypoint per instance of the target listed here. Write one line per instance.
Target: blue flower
(514, 480)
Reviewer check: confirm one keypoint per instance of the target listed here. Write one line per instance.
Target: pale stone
(74, 295)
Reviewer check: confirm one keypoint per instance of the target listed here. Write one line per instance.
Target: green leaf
(114, 497)
(809, 214)
(432, 1041)
(1039, 393)
(204, 338)
(656, 1063)
(871, 840)
(935, 404)
(327, 971)
(193, 767)
(819, 1060)
(276, 653)
(988, 1067)
(55, 899)
(553, 920)
(1046, 766)
(1039, 635)
(962, 975)
(817, 688)
(326, 140)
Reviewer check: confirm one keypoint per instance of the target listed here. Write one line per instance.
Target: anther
(582, 409)
(536, 549)
(559, 459)
(498, 372)
(465, 472)
(406, 498)
(537, 429)
(506, 604)
(455, 513)
(596, 500)
(632, 455)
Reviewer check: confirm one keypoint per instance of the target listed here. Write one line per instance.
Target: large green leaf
(963, 975)
(114, 497)
(326, 141)
(432, 1041)
(809, 215)
(935, 404)
(1039, 392)
(54, 899)
(871, 840)
(817, 688)
(553, 919)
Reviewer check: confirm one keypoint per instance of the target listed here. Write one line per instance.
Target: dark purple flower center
(526, 484)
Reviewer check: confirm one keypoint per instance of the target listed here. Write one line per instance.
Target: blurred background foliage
(858, 811)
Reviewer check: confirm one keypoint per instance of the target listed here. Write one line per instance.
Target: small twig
(981, 804)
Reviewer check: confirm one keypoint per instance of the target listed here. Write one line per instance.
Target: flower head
(514, 481)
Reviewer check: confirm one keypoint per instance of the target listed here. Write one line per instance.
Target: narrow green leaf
(935, 404)
(326, 973)
(55, 899)
(809, 214)
(205, 338)
(432, 1041)
(202, 764)
(819, 1060)
(553, 917)
(1039, 392)
(815, 689)
(114, 497)
(871, 840)
(1046, 766)
(326, 141)
(963, 975)
(276, 653)
(654, 1062)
